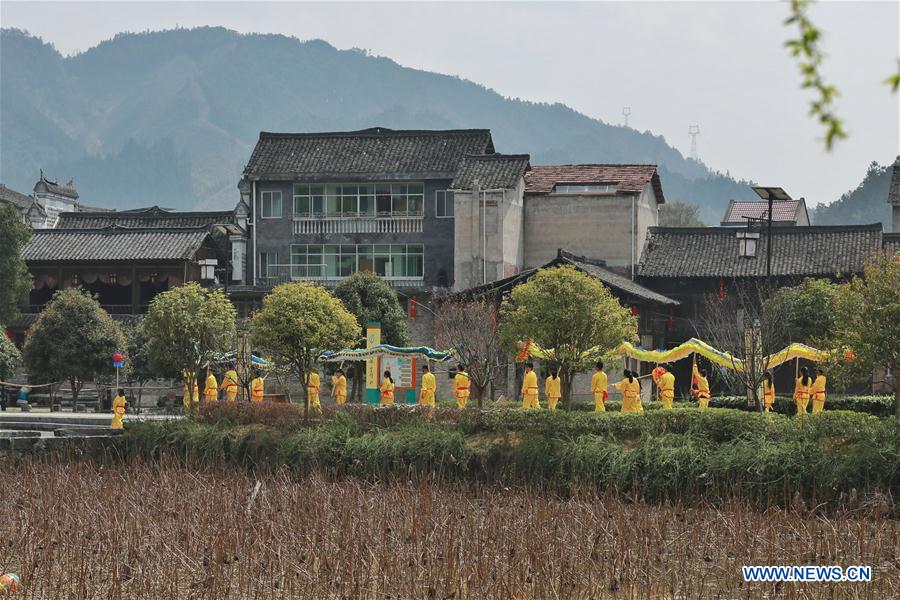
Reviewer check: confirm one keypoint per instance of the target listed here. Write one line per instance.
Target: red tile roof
(629, 179)
(785, 210)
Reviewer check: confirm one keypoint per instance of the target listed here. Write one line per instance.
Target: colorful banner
(385, 349)
(373, 340)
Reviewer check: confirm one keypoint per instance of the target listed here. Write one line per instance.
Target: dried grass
(156, 530)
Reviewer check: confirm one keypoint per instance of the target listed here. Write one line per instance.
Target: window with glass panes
(271, 205)
(334, 260)
(443, 203)
(337, 200)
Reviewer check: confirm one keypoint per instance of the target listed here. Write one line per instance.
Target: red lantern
(634, 311)
(413, 307)
(721, 288)
(10, 335)
(671, 320)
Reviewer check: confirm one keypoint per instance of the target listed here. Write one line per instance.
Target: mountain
(171, 117)
(866, 204)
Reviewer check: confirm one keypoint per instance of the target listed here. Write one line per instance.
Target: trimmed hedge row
(676, 454)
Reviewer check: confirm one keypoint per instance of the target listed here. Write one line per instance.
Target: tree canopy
(867, 321)
(472, 329)
(13, 272)
(73, 339)
(369, 298)
(680, 214)
(185, 326)
(568, 313)
(10, 357)
(804, 312)
(297, 322)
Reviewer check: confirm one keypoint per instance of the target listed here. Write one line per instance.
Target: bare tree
(472, 329)
(739, 325)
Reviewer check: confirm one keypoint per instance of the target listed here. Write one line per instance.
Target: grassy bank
(680, 454)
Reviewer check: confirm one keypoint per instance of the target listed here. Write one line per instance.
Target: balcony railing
(278, 274)
(326, 226)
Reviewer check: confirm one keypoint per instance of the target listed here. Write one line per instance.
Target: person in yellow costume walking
(118, 406)
(312, 389)
(630, 390)
(530, 388)
(230, 385)
(211, 389)
(339, 389)
(599, 381)
(768, 391)
(462, 382)
(552, 388)
(666, 386)
(801, 391)
(188, 398)
(429, 385)
(701, 386)
(817, 391)
(257, 389)
(387, 389)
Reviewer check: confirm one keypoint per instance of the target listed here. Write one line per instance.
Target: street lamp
(771, 194)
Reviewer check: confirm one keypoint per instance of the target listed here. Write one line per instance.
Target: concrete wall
(492, 253)
(596, 226)
(277, 235)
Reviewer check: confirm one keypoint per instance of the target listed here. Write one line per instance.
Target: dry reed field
(160, 531)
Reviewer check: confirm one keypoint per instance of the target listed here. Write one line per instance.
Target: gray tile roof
(674, 252)
(619, 284)
(17, 199)
(113, 244)
(153, 217)
(491, 171)
(54, 187)
(369, 153)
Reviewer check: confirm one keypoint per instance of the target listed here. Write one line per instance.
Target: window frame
(335, 259)
(445, 195)
(262, 203)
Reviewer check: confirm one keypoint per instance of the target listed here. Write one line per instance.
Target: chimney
(894, 198)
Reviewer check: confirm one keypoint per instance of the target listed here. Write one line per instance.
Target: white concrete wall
(595, 226)
(497, 250)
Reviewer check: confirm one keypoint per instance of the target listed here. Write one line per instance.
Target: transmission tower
(626, 111)
(694, 131)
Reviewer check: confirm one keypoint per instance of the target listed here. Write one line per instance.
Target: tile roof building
(787, 212)
(490, 171)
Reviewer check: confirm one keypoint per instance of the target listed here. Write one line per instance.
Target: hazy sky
(721, 65)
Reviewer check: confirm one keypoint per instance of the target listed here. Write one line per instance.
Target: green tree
(74, 340)
(679, 214)
(13, 273)
(804, 312)
(10, 357)
(185, 327)
(370, 299)
(571, 315)
(297, 322)
(867, 322)
(138, 367)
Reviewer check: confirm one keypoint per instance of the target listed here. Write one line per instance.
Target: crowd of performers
(807, 387)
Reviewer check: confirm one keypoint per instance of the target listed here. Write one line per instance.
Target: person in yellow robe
(552, 389)
(313, 382)
(230, 385)
(339, 387)
(530, 388)
(118, 406)
(630, 390)
(768, 391)
(801, 391)
(462, 382)
(189, 398)
(257, 389)
(429, 385)
(817, 391)
(666, 386)
(387, 389)
(599, 382)
(211, 389)
(701, 387)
